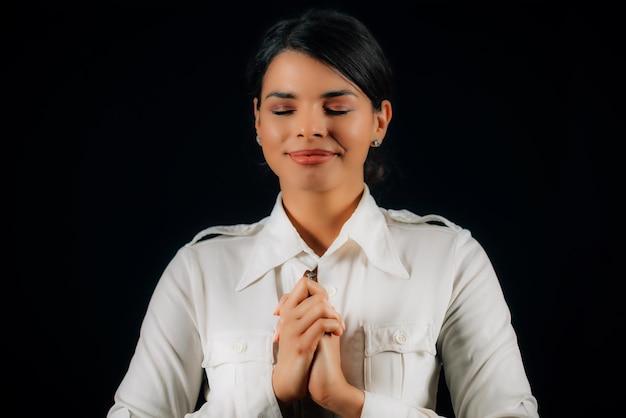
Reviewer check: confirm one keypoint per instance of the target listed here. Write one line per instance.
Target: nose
(311, 123)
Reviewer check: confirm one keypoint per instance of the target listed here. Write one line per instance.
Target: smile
(311, 156)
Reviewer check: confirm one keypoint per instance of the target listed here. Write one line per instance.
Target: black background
(128, 130)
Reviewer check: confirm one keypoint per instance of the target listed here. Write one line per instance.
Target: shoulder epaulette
(406, 216)
(231, 230)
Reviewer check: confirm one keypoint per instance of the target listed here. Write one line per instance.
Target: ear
(255, 103)
(383, 117)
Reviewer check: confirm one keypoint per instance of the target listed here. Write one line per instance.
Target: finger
(298, 319)
(304, 288)
(319, 329)
(281, 302)
(313, 287)
(302, 317)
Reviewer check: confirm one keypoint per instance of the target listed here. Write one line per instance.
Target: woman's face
(315, 126)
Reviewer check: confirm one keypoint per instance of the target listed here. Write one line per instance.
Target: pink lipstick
(311, 156)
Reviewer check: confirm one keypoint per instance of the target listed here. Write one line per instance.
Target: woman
(330, 306)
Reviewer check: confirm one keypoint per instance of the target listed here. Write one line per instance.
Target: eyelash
(329, 111)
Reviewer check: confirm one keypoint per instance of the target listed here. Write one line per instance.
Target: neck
(319, 216)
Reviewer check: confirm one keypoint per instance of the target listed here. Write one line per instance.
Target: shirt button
(332, 290)
(400, 337)
(239, 347)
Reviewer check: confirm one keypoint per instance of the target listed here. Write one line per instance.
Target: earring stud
(376, 143)
(258, 140)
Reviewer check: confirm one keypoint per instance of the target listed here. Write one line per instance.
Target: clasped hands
(309, 359)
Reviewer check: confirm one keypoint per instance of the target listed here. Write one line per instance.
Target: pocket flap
(239, 348)
(403, 337)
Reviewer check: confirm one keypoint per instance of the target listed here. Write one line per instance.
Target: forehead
(292, 71)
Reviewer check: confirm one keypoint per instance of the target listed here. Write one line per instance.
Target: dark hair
(342, 42)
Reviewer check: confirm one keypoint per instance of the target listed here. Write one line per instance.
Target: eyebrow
(327, 95)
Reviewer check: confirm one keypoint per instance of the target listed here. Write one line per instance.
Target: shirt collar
(368, 228)
(279, 241)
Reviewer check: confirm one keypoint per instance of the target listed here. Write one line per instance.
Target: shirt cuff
(376, 406)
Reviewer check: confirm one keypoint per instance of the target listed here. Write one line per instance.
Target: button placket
(332, 291)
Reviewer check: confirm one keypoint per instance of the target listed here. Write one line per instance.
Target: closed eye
(282, 112)
(333, 112)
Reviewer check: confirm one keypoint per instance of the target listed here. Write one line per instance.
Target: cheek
(273, 132)
(355, 137)
(357, 128)
(271, 158)
(272, 148)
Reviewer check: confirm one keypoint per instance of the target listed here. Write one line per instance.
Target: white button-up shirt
(416, 293)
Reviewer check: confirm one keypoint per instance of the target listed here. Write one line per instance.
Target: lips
(311, 156)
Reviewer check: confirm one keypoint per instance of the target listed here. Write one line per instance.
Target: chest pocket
(400, 361)
(237, 357)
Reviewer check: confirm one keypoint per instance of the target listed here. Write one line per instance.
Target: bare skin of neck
(319, 216)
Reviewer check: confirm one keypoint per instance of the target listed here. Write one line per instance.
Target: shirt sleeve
(376, 406)
(478, 345)
(165, 373)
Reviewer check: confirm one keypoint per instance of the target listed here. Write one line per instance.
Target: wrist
(346, 402)
(286, 388)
